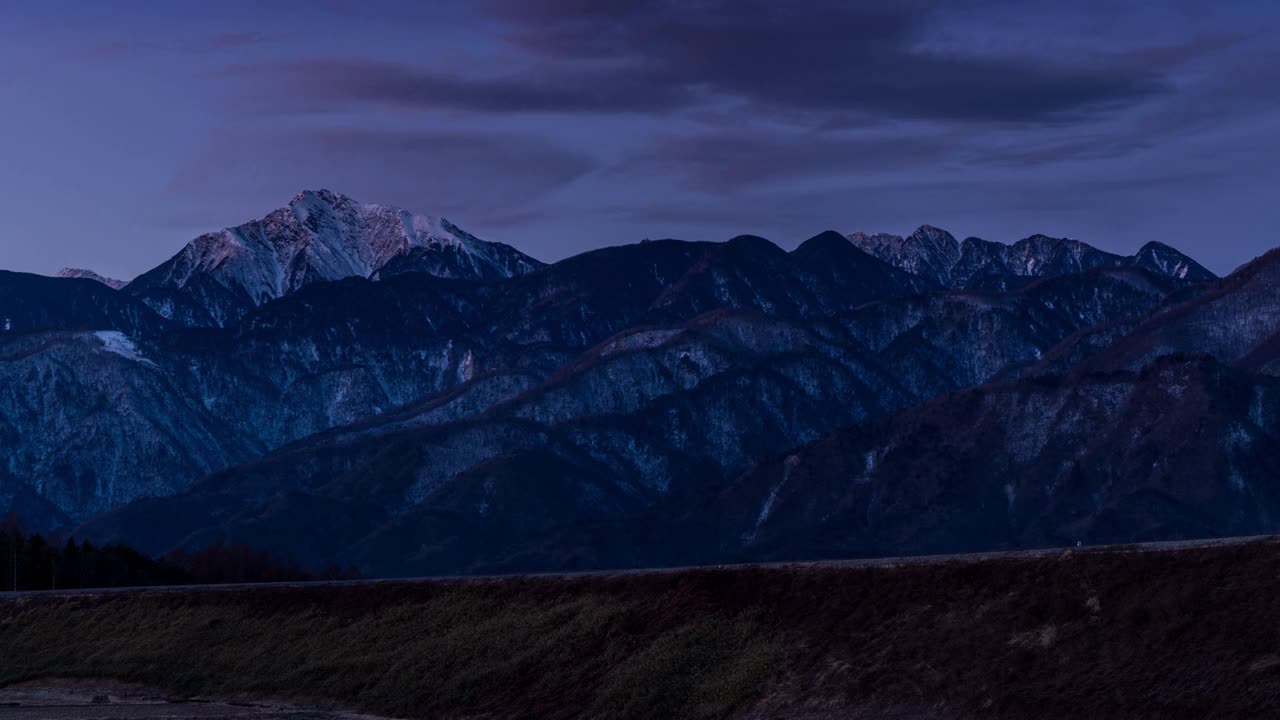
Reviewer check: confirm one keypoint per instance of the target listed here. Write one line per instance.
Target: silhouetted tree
(11, 536)
(236, 563)
(32, 562)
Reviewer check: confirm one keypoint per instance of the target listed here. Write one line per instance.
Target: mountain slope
(320, 236)
(337, 353)
(89, 420)
(1179, 449)
(654, 417)
(1237, 320)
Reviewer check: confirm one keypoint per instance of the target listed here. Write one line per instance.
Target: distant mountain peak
(321, 235)
(753, 243)
(824, 239)
(1159, 257)
(929, 251)
(322, 194)
(83, 274)
(933, 234)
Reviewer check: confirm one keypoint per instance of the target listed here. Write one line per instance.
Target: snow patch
(767, 508)
(117, 343)
(644, 340)
(467, 367)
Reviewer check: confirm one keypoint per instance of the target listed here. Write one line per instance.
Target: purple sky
(557, 126)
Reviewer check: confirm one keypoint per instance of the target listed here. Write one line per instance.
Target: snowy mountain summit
(930, 252)
(981, 264)
(320, 236)
(83, 274)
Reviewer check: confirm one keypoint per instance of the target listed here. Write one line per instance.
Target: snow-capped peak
(934, 253)
(81, 273)
(322, 235)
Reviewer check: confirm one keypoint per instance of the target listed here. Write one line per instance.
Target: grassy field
(1191, 633)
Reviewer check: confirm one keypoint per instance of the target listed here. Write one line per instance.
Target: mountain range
(351, 383)
(981, 264)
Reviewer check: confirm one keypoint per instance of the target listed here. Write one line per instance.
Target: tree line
(35, 562)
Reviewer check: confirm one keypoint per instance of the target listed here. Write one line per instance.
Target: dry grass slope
(1182, 634)
(464, 651)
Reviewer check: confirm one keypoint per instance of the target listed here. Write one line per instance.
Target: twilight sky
(129, 127)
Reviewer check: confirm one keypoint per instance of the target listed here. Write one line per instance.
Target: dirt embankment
(1189, 633)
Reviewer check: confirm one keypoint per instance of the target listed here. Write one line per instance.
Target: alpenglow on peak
(319, 236)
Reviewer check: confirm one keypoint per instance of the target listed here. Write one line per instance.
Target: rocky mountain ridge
(91, 275)
(982, 264)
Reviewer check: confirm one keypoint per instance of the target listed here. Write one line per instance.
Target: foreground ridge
(995, 637)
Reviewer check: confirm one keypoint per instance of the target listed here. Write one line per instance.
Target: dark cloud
(844, 59)
(837, 55)
(732, 160)
(335, 83)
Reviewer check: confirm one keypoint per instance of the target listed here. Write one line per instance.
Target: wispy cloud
(466, 174)
(132, 47)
